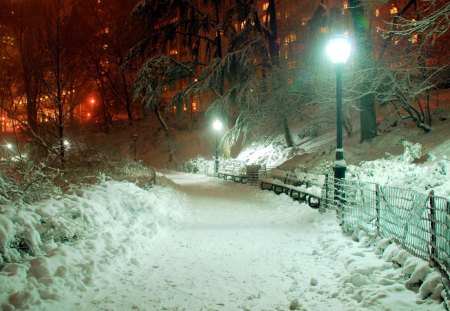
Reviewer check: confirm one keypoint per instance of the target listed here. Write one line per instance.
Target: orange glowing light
(92, 101)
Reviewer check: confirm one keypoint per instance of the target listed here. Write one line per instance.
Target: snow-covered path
(239, 248)
(205, 244)
(236, 250)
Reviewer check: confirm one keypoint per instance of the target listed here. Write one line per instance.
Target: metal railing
(419, 223)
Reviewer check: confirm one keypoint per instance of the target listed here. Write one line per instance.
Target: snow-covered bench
(235, 171)
(299, 186)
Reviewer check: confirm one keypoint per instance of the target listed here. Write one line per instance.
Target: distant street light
(217, 126)
(338, 50)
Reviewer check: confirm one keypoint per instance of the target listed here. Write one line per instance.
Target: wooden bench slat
(299, 186)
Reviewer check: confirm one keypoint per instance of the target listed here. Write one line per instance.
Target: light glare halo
(338, 50)
(217, 125)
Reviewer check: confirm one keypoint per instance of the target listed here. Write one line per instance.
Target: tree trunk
(58, 80)
(287, 132)
(168, 134)
(274, 57)
(127, 100)
(273, 44)
(365, 61)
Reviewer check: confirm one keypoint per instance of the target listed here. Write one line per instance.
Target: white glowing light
(338, 50)
(9, 146)
(217, 125)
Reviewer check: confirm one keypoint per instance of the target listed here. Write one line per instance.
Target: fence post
(339, 199)
(377, 208)
(323, 207)
(432, 214)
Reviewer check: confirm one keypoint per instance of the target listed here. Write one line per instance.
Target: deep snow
(200, 243)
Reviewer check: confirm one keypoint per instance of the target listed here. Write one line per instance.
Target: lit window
(414, 39)
(173, 52)
(304, 21)
(393, 10)
(345, 5)
(377, 12)
(194, 106)
(174, 108)
(105, 46)
(184, 107)
(265, 6)
(292, 37)
(106, 30)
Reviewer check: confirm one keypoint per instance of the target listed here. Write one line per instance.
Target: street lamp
(338, 50)
(217, 126)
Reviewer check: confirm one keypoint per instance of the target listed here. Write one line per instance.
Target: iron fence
(419, 223)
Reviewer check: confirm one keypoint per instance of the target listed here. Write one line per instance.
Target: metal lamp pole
(340, 166)
(217, 125)
(338, 50)
(216, 160)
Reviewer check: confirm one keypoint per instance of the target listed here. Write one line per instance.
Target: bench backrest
(278, 174)
(316, 180)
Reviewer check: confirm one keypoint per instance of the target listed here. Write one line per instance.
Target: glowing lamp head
(9, 146)
(338, 50)
(217, 125)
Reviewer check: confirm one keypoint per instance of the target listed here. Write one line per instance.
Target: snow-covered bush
(24, 182)
(432, 175)
(411, 151)
(198, 165)
(310, 131)
(8, 190)
(27, 181)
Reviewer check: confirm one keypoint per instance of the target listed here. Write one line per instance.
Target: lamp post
(338, 50)
(217, 126)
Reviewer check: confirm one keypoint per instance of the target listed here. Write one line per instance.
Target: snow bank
(402, 172)
(72, 238)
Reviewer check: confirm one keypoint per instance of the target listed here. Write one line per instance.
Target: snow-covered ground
(200, 243)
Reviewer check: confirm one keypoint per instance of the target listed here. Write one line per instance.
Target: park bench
(300, 186)
(234, 171)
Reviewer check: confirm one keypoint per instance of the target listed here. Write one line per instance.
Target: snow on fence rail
(418, 222)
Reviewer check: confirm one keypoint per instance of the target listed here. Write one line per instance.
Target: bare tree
(414, 59)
